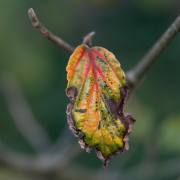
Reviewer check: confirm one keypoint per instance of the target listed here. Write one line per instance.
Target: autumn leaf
(97, 90)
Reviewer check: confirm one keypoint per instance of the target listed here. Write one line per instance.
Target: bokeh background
(33, 80)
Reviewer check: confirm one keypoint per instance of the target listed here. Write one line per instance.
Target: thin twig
(22, 115)
(88, 38)
(44, 163)
(45, 32)
(135, 75)
(55, 159)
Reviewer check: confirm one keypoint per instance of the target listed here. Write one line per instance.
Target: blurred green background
(127, 28)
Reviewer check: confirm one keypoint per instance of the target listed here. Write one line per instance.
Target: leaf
(97, 90)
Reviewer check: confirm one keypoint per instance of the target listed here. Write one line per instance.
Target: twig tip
(31, 12)
(88, 38)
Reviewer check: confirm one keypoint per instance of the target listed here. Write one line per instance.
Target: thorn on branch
(88, 38)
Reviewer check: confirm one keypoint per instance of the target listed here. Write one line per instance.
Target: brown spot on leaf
(72, 93)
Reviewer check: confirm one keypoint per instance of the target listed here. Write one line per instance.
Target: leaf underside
(97, 91)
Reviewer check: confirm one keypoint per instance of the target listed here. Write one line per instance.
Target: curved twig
(48, 34)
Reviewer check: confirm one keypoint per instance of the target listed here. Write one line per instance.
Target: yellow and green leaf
(97, 90)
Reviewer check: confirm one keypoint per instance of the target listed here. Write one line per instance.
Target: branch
(21, 113)
(55, 159)
(44, 163)
(61, 154)
(135, 75)
(45, 32)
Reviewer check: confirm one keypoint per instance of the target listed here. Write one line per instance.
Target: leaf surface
(97, 90)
